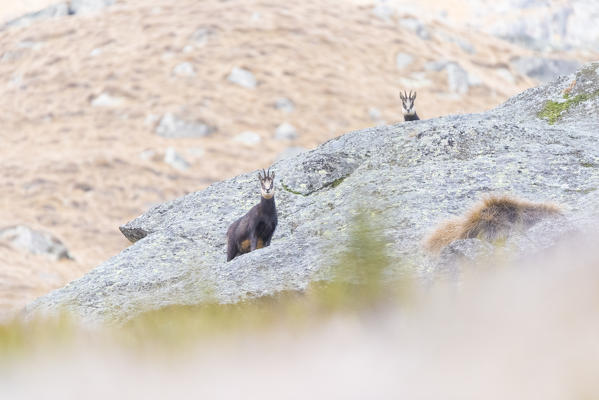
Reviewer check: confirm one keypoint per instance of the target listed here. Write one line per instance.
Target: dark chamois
(407, 106)
(255, 229)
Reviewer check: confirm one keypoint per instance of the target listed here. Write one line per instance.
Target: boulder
(402, 60)
(550, 26)
(383, 10)
(415, 26)
(54, 11)
(461, 42)
(408, 178)
(107, 100)
(172, 126)
(242, 77)
(185, 69)
(23, 238)
(285, 131)
(175, 160)
(284, 104)
(88, 6)
(248, 138)
(436, 65)
(458, 79)
(376, 116)
(201, 36)
(60, 9)
(544, 69)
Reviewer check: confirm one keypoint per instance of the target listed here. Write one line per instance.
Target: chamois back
(493, 218)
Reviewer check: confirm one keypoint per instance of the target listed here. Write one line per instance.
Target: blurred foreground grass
(358, 288)
(523, 328)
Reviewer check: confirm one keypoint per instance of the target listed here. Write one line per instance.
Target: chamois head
(267, 182)
(407, 103)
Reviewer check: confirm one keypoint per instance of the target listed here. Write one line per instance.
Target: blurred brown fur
(491, 219)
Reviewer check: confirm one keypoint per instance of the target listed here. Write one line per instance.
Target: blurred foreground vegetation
(358, 288)
(509, 329)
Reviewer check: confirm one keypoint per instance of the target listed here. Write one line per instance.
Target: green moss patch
(333, 184)
(288, 189)
(582, 191)
(552, 111)
(337, 182)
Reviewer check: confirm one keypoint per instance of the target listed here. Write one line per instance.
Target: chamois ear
(414, 96)
(273, 175)
(401, 96)
(260, 178)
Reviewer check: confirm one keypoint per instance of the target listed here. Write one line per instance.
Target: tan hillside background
(77, 171)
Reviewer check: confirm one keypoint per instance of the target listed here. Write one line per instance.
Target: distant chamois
(255, 229)
(407, 106)
(495, 217)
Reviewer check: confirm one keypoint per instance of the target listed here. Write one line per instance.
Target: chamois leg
(253, 241)
(231, 250)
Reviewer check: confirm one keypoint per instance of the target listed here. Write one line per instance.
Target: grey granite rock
(402, 60)
(242, 77)
(185, 69)
(60, 9)
(175, 160)
(88, 6)
(383, 10)
(544, 69)
(410, 175)
(458, 79)
(286, 131)
(107, 100)
(201, 36)
(436, 65)
(547, 25)
(248, 138)
(172, 126)
(35, 242)
(416, 26)
(53, 11)
(284, 104)
(461, 42)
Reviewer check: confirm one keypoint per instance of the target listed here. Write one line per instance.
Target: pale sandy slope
(75, 170)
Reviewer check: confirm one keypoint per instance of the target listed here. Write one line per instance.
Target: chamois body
(255, 229)
(408, 107)
(495, 217)
(411, 117)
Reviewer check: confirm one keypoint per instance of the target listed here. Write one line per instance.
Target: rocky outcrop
(88, 6)
(23, 238)
(73, 7)
(408, 177)
(544, 69)
(54, 11)
(544, 25)
(173, 126)
(243, 77)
